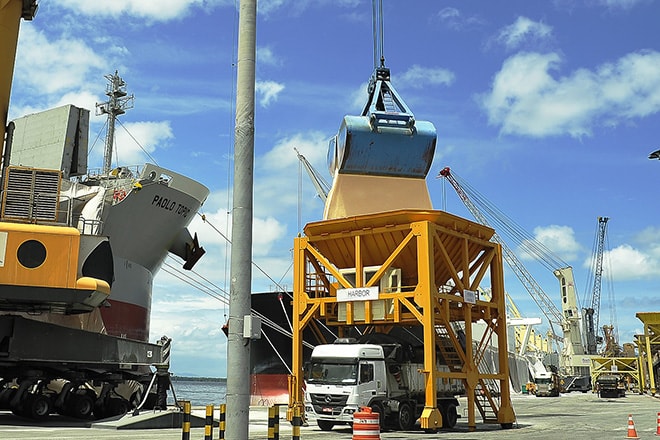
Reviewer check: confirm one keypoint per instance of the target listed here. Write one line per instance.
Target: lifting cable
(209, 288)
(377, 14)
(506, 226)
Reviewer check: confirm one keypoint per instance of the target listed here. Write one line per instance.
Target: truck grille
(328, 403)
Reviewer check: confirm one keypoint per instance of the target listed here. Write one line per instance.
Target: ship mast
(117, 104)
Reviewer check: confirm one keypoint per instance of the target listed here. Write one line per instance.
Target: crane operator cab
(379, 160)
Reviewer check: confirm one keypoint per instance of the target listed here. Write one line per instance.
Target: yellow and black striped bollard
(297, 423)
(273, 422)
(185, 435)
(208, 425)
(221, 424)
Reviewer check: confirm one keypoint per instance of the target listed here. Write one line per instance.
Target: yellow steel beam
(432, 249)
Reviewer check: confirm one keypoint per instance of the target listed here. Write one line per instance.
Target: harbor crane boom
(591, 314)
(569, 317)
(538, 295)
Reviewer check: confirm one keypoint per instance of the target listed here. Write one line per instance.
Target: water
(199, 391)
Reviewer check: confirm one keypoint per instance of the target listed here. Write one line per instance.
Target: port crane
(568, 318)
(420, 268)
(591, 314)
(53, 280)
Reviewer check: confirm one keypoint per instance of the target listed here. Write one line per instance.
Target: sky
(549, 109)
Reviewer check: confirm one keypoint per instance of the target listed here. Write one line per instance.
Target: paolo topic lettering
(170, 205)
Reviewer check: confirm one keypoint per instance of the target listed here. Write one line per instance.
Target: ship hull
(142, 227)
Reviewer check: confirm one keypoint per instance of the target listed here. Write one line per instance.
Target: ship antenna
(117, 104)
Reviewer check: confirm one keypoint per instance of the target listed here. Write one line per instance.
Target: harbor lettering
(359, 293)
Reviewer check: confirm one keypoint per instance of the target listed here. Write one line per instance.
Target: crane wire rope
(505, 225)
(377, 14)
(223, 296)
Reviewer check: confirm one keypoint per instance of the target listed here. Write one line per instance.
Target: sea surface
(199, 391)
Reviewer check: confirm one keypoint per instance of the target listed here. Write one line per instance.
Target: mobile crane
(53, 279)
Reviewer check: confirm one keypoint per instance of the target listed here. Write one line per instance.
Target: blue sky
(549, 109)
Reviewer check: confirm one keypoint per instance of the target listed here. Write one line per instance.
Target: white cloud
(523, 29)
(63, 71)
(268, 91)
(162, 10)
(526, 99)
(278, 172)
(419, 77)
(628, 263)
(455, 20)
(559, 240)
(265, 55)
(620, 4)
(133, 140)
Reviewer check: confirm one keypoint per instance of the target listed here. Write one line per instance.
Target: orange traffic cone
(632, 432)
(657, 431)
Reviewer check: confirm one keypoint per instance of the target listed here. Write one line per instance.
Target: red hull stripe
(126, 320)
(269, 389)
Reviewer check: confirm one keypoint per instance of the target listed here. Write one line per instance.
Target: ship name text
(170, 205)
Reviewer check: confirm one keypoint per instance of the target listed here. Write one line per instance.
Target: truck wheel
(406, 417)
(37, 406)
(377, 407)
(449, 416)
(80, 406)
(325, 425)
(116, 407)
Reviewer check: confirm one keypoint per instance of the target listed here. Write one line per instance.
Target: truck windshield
(332, 373)
(543, 380)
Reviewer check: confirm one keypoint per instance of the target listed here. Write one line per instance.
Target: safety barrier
(296, 422)
(208, 423)
(366, 424)
(186, 421)
(274, 422)
(222, 423)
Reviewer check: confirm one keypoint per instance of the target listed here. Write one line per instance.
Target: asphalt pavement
(570, 416)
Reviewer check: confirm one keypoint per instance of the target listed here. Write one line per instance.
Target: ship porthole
(31, 254)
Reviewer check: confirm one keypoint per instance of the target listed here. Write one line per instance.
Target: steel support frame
(614, 365)
(648, 346)
(467, 258)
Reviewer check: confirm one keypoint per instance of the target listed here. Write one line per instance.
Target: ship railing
(123, 172)
(89, 226)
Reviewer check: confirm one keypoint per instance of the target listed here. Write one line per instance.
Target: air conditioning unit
(390, 282)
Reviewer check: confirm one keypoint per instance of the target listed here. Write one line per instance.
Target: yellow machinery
(442, 259)
(11, 12)
(648, 345)
(45, 265)
(625, 367)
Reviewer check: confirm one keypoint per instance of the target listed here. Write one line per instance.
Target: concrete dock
(570, 416)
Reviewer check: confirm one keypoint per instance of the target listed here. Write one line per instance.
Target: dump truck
(345, 376)
(610, 385)
(547, 384)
